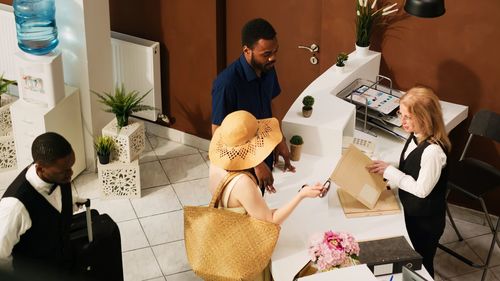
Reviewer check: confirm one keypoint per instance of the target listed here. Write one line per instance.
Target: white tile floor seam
(152, 226)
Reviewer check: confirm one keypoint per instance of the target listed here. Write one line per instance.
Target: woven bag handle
(214, 203)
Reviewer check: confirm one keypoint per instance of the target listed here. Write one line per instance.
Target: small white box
(120, 180)
(7, 151)
(129, 140)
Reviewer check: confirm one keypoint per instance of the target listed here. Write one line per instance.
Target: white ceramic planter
(362, 51)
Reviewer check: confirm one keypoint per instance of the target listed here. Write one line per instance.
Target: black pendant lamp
(425, 8)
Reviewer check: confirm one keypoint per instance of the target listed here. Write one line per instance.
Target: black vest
(46, 243)
(435, 202)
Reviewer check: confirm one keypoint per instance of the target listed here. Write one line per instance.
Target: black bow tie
(52, 188)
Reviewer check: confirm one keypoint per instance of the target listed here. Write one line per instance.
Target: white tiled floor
(174, 175)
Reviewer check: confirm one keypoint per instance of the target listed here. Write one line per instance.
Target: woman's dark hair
(49, 147)
(255, 30)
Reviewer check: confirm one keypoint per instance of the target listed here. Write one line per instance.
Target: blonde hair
(424, 106)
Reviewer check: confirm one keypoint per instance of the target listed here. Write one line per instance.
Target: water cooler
(45, 104)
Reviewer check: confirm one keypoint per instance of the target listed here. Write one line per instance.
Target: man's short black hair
(49, 147)
(255, 30)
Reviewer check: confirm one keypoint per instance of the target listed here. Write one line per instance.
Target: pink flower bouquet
(331, 250)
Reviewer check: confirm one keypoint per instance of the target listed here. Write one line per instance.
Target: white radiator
(136, 64)
(8, 42)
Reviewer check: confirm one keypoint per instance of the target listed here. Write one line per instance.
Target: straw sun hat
(242, 142)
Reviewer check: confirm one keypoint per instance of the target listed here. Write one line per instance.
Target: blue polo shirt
(239, 88)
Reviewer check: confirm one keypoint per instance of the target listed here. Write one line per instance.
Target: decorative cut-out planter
(7, 151)
(7, 146)
(5, 121)
(129, 140)
(120, 180)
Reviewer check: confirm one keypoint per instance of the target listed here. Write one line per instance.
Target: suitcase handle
(89, 221)
(88, 217)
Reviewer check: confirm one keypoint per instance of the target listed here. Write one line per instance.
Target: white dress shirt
(431, 164)
(15, 219)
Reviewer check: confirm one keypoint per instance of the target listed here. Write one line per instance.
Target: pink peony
(332, 249)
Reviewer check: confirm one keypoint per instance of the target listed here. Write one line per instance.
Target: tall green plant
(367, 16)
(123, 103)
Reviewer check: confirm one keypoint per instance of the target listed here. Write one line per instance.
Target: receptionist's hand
(377, 167)
(265, 177)
(282, 150)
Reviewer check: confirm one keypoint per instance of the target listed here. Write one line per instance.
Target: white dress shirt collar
(40, 185)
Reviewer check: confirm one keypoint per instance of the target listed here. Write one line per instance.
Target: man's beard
(263, 67)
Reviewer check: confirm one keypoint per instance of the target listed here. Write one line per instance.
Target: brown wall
(186, 30)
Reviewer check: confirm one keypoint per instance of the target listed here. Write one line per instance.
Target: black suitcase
(96, 246)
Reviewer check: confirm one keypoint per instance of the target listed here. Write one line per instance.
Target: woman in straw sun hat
(239, 144)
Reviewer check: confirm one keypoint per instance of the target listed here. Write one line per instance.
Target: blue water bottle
(36, 25)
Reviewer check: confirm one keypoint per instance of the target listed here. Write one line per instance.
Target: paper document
(352, 176)
(375, 99)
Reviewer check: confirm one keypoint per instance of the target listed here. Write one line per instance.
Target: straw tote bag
(224, 245)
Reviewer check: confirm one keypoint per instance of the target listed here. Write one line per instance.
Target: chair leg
(460, 238)
(490, 252)
(488, 219)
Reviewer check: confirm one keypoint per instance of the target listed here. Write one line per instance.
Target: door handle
(313, 49)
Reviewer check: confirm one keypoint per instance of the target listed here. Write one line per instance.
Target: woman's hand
(377, 167)
(311, 191)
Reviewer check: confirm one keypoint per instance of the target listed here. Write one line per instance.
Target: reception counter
(332, 119)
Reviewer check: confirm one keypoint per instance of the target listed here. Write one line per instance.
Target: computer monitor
(410, 275)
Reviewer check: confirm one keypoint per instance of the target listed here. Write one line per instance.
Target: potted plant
(296, 143)
(103, 146)
(341, 58)
(4, 87)
(367, 17)
(307, 109)
(123, 103)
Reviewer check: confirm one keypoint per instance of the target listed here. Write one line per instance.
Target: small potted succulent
(4, 87)
(103, 146)
(296, 143)
(341, 58)
(307, 109)
(123, 103)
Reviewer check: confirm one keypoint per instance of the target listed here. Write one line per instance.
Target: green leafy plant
(123, 103)
(296, 140)
(4, 84)
(308, 102)
(367, 17)
(341, 58)
(104, 145)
